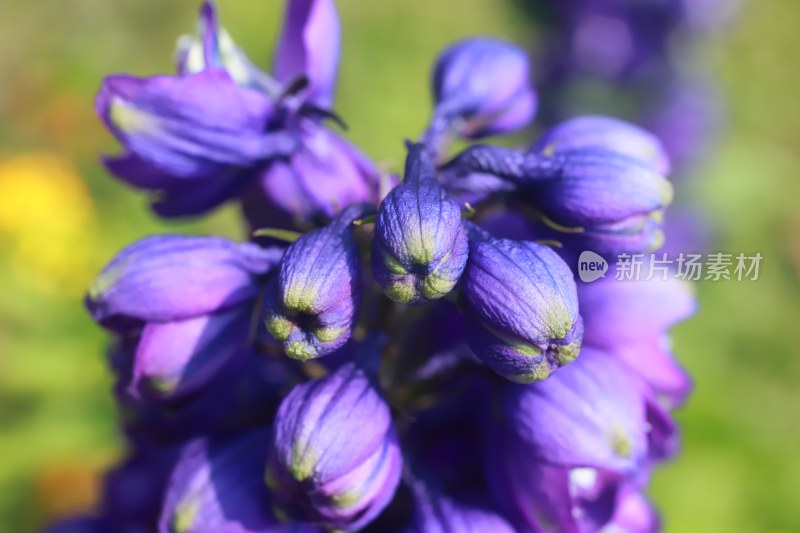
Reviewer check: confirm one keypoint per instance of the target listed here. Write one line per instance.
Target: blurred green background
(62, 217)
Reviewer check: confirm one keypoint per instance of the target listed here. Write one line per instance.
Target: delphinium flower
(466, 382)
(222, 129)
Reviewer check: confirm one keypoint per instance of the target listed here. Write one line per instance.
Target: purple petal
(435, 512)
(605, 133)
(534, 495)
(190, 126)
(217, 485)
(590, 413)
(325, 175)
(591, 188)
(173, 277)
(309, 46)
(538, 496)
(325, 428)
(630, 319)
(175, 359)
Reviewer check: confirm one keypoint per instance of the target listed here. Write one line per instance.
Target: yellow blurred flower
(46, 222)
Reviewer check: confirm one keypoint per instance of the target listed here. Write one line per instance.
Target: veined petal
(190, 126)
(217, 486)
(309, 46)
(590, 413)
(174, 277)
(175, 359)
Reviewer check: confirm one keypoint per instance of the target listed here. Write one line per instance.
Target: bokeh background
(62, 218)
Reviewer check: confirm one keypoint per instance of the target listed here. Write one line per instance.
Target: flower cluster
(406, 355)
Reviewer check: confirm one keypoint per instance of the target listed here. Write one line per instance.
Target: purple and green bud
(606, 197)
(190, 301)
(481, 87)
(420, 247)
(312, 305)
(521, 306)
(335, 458)
(175, 277)
(606, 134)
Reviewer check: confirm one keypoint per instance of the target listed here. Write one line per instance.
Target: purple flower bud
(604, 196)
(324, 175)
(217, 486)
(522, 306)
(243, 396)
(312, 305)
(630, 319)
(589, 414)
(420, 246)
(214, 48)
(188, 136)
(309, 46)
(608, 134)
(481, 87)
(174, 277)
(176, 359)
(335, 459)
(192, 298)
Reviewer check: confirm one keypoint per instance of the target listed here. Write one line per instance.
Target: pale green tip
(539, 373)
(303, 461)
(667, 193)
(270, 480)
(129, 119)
(300, 299)
(279, 327)
(620, 442)
(328, 334)
(392, 264)
(402, 291)
(435, 286)
(162, 384)
(300, 350)
(657, 241)
(566, 354)
(348, 498)
(528, 350)
(280, 514)
(185, 515)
